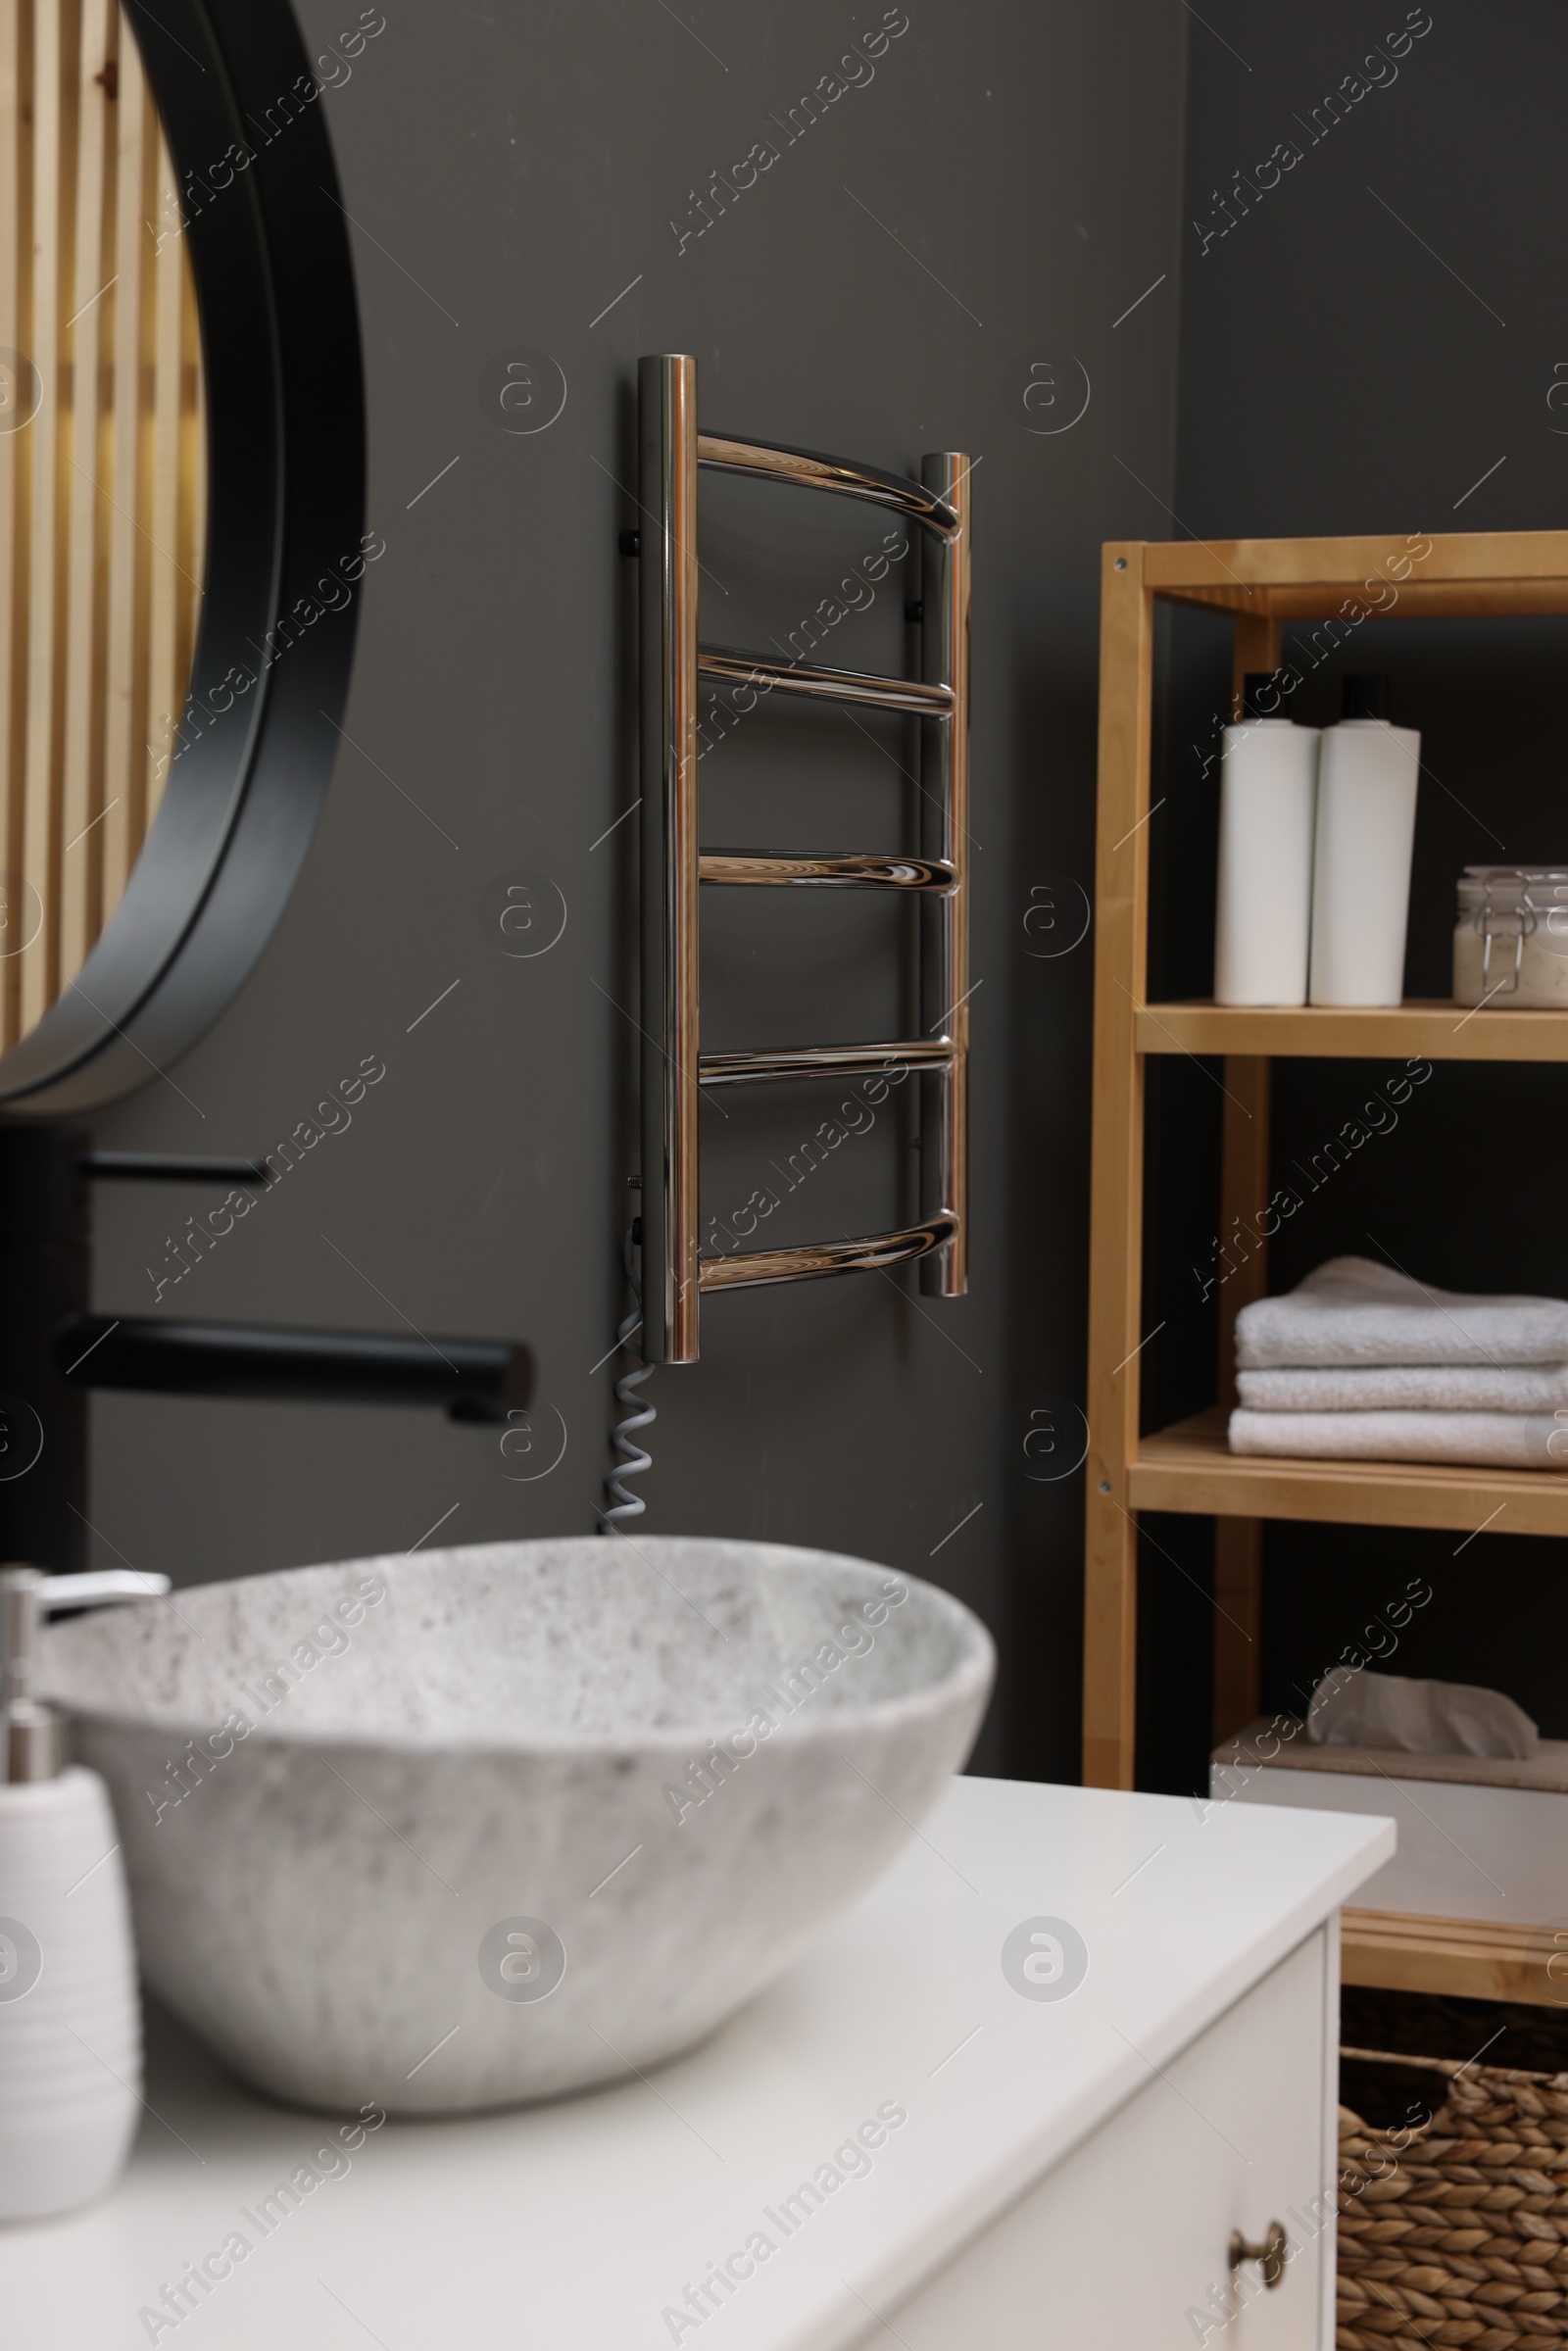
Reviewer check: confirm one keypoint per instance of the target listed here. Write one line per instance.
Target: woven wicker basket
(1457, 2232)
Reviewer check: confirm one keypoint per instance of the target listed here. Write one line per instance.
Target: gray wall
(988, 204)
(1371, 347)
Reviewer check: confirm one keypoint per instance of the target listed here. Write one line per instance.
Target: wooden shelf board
(1189, 1468)
(1418, 599)
(1457, 573)
(1473, 1959)
(1430, 1030)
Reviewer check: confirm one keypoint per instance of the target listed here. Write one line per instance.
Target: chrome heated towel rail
(675, 1070)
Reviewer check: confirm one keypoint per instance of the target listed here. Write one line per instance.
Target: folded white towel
(1500, 1439)
(1407, 1388)
(1353, 1311)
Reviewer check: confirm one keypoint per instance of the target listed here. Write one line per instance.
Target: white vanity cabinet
(1019, 2097)
(1124, 2244)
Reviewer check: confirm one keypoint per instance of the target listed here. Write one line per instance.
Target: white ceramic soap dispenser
(70, 2020)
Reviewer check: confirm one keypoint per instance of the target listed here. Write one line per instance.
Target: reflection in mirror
(103, 473)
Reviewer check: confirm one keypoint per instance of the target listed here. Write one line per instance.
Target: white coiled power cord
(633, 1460)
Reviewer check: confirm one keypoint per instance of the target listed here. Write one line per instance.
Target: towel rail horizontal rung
(861, 686)
(767, 868)
(754, 1267)
(823, 1061)
(814, 470)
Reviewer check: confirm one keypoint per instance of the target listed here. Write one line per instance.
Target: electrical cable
(624, 1502)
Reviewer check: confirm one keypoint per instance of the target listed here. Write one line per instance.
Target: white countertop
(572, 2226)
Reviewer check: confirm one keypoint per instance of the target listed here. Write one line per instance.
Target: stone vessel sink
(489, 1825)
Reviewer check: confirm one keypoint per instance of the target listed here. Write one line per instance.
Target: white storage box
(1478, 1838)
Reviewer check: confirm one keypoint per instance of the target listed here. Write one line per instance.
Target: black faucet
(53, 1347)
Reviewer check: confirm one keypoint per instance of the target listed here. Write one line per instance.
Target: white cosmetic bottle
(70, 2020)
(1366, 794)
(1268, 783)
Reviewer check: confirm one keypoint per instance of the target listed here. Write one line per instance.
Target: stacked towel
(1354, 1311)
(1362, 1363)
(1407, 1388)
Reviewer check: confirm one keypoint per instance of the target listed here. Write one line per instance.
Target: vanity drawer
(1122, 2247)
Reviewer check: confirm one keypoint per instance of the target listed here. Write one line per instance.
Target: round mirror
(181, 535)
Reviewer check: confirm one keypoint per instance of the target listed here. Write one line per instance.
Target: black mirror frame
(286, 552)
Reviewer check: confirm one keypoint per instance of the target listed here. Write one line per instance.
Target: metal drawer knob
(1273, 2254)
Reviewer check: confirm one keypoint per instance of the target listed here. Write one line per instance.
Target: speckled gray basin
(488, 1825)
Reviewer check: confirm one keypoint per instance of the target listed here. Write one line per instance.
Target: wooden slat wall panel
(125, 718)
(102, 492)
(166, 684)
(190, 499)
(40, 820)
(15, 214)
(81, 750)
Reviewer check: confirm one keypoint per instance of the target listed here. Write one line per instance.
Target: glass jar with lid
(1510, 939)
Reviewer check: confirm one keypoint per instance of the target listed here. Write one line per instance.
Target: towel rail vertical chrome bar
(667, 571)
(945, 921)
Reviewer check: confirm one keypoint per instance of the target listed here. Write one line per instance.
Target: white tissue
(1361, 1709)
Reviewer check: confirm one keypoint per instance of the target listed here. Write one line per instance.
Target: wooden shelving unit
(1262, 584)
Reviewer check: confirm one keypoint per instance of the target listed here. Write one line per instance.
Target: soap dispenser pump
(69, 2019)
